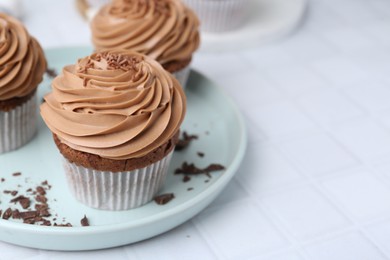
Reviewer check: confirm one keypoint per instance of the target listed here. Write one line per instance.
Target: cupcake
(22, 65)
(219, 16)
(165, 30)
(115, 118)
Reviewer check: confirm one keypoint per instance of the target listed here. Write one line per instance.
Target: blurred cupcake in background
(219, 16)
(22, 66)
(115, 117)
(165, 30)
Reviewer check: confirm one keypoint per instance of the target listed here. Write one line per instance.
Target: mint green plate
(222, 138)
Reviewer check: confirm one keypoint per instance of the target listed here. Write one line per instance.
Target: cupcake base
(180, 70)
(17, 124)
(116, 190)
(182, 76)
(219, 16)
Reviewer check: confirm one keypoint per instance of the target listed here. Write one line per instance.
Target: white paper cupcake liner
(182, 75)
(18, 126)
(116, 190)
(219, 16)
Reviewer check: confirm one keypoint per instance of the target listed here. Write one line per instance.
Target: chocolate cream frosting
(165, 30)
(22, 62)
(117, 104)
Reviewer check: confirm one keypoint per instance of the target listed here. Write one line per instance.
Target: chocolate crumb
(16, 174)
(84, 221)
(2, 180)
(29, 190)
(185, 141)
(186, 178)
(164, 198)
(200, 154)
(52, 73)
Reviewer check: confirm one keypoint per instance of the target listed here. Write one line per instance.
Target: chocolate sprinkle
(164, 198)
(17, 174)
(185, 141)
(84, 221)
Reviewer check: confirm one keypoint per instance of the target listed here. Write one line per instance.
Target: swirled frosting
(165, 30)
(118, 105)
(22, 62)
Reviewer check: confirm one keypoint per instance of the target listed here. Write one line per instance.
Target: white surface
(295, 81)
(265, 21)
(209, 115)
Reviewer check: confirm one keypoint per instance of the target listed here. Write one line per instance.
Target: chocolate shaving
(41, 198)
(7, 214)
(15, 214)
(84, 221)
(41, 190)
(45, 183)
(52, 73)
(32, 214)
(63, 225)
(200, 154)
(191, 169)
(185, 141)
(164, 198)
(23, 201)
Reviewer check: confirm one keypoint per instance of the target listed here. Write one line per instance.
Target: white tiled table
(315, 183)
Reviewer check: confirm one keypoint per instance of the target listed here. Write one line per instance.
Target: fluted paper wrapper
(182, 75)
(18, 126)
(116, 190)
(219, 16)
